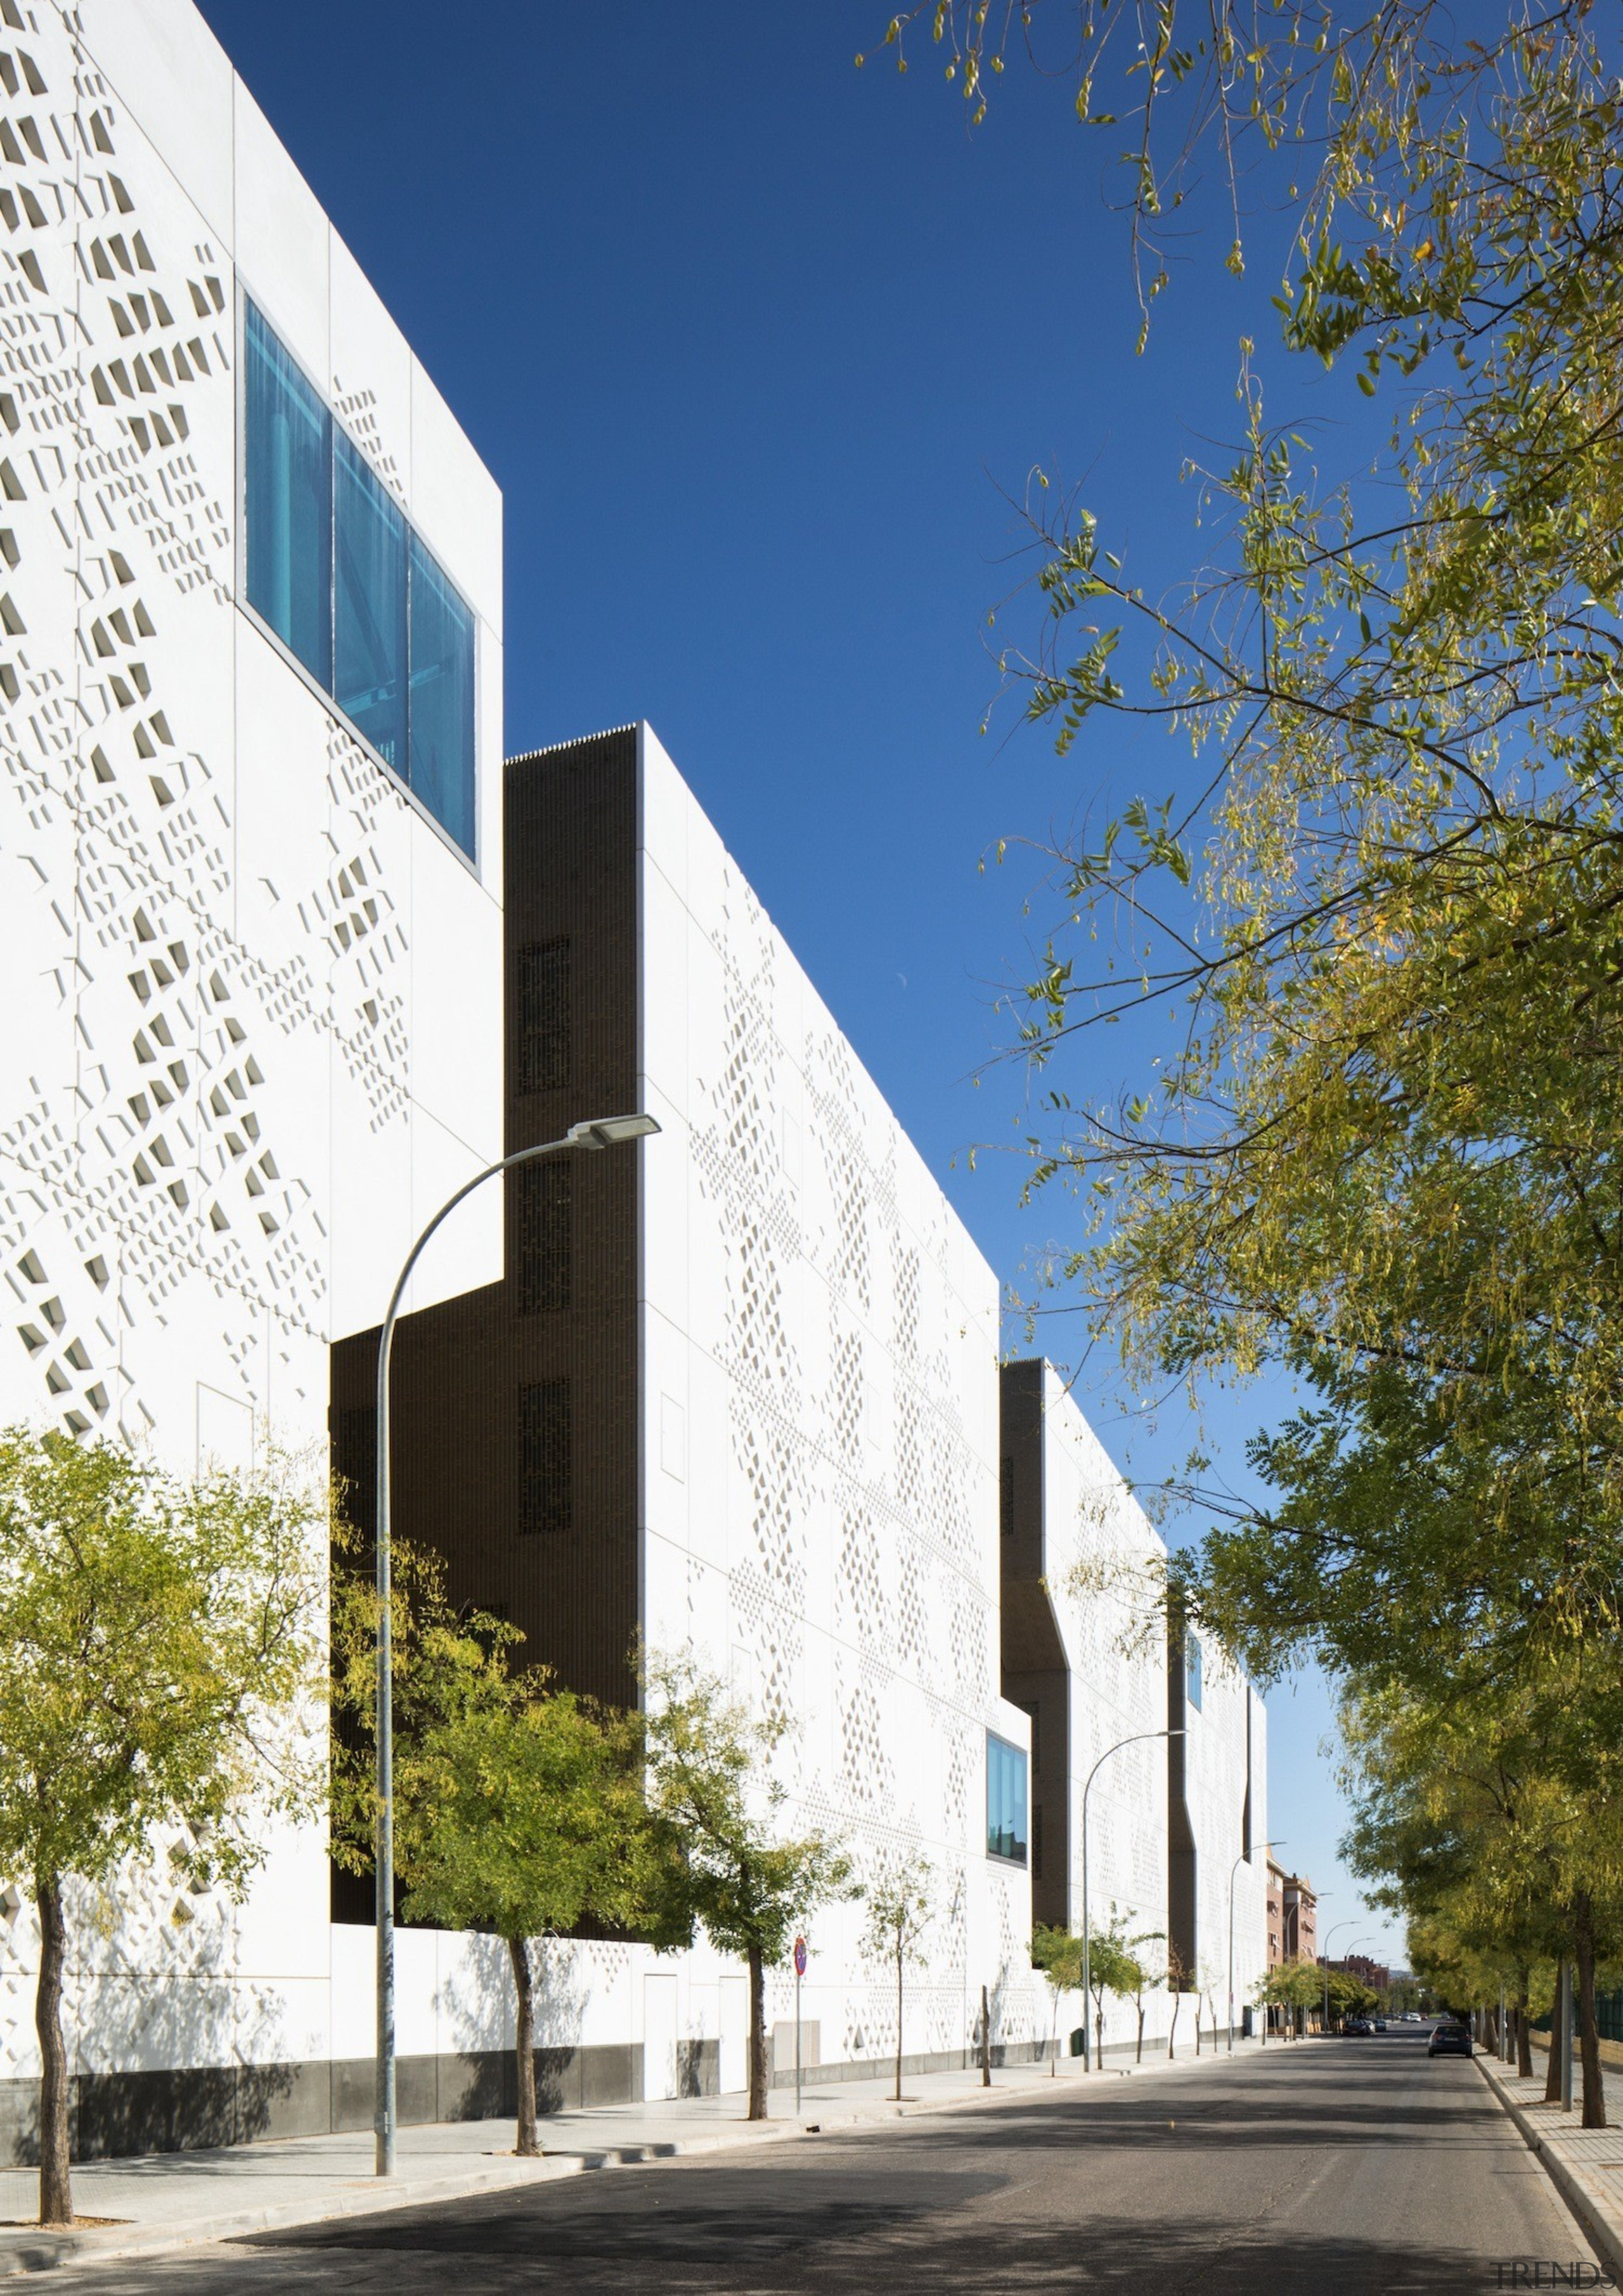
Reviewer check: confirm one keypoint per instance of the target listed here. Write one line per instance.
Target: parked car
(1450, 2041)
(1357, 2025)
(1380, 2024)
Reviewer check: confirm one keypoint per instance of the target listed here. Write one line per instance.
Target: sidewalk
(1585, 2165)
(170, 2200)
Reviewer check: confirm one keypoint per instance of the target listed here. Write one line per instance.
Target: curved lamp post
(1137, 1739)
(595, 1132)
(1232, 1870)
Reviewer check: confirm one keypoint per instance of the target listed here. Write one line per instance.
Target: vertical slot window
(1191, 1670)
(545, 1202)
(543, 1016)
(545, 1469)
(288, 512)
(369, 608)
(1005, 1800)
(441, 699)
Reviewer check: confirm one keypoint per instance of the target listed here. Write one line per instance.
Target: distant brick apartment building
(1292, 1917)
(1373, 1974)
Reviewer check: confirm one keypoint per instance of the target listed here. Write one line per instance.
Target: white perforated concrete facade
(820, 1434)
(250, 1037)
(1085, 1654)
(253, 1039)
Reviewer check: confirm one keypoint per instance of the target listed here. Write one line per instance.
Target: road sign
(799, 1957)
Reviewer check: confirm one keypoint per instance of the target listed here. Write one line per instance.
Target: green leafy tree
(519, 1808)
(1177, 1986)
(1383, 1151)
(1146, 1977)
(726, 1867)
(901, 1912)
(161, 1661)
(1112, 1968)
(1057, 1954)
(1293, 1987)
(1489, 1820)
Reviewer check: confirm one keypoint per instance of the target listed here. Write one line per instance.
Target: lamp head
(608, 1131)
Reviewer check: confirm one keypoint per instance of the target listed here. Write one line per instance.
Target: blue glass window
(442, 699)
(334, 568)
(369, 608)
(1005, 1800)
(289, 506)
(1191, 1670)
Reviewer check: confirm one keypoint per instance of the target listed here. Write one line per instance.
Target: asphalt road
(1327, 2169)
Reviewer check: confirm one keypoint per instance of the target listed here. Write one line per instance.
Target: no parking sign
(799, 1974)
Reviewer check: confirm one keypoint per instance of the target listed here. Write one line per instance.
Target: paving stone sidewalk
(1585, 2165)
(170, 2200)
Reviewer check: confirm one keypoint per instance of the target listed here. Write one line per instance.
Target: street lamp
(1232, 1870)
(593, 1132)
(1137, 1738)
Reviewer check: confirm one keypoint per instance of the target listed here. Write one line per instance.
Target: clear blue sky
(752, 341)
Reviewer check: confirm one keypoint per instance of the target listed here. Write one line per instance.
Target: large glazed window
(333, 567)
(1005, 1800)
(442, 699)
(369, 618)
(289, 510)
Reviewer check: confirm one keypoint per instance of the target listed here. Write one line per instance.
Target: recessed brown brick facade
(514, 1407)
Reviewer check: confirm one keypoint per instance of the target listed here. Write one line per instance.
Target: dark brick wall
(514, 1408)
(1034, 1673)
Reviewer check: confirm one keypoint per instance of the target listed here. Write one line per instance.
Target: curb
(44, 2251)
(47, 2251)
(1596, 2217)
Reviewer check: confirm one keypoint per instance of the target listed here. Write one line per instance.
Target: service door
(734, 2072)
(659, 2035)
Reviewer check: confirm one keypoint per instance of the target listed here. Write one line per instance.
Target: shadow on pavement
(728, 2231)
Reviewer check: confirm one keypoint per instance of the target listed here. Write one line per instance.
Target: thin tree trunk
(528, 2144)
(1177, 2002)
(55, 2185)
(1524, 2039)
(1552, 2079)
(986, 2039)
(1139, 2055)
(899, 2024)
(1588, 2030)
(1053, 2041)
(1099, 2034)
(757, 2036)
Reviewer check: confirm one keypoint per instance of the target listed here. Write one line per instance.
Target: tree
(1146, 1979)
(726, 1867)
(518, 1807)
(1206, 1991)
(901, 1908)
(1177, 1985)
(1383, 1151)
(1057, 1953)
(1111, 1969)
(159, 1642)
(1490, 1821)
